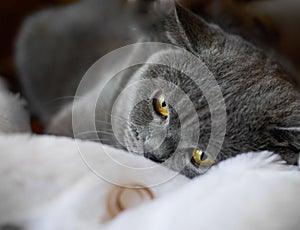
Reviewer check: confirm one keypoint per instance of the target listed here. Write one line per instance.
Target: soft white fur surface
(13, 116)
(251, 191)
(45, 185)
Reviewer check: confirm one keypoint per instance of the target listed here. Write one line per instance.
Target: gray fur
(262, 102)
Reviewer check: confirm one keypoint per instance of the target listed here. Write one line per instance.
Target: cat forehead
(178, 62)
(179, 59)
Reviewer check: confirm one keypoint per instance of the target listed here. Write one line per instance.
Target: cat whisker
(99, 140)
(116, 116)
(61, 99)
(103, 122)
(95, 132)
(109, 124)
(106, 142)
(99, 122)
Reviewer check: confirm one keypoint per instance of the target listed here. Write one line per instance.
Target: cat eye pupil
(199, 158)
(160, 105)
(203, 157)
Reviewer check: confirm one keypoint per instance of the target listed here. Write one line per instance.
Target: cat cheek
(141, 114)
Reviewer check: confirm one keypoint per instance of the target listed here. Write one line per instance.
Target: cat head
(167, 116)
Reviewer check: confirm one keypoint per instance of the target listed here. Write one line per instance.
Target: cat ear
(291, 129)
(284, 141)
(288, 138)
(186, 29)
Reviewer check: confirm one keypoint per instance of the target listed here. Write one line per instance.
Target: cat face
(167, 117)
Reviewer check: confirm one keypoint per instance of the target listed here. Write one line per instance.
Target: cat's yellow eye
(160, 105)
(199, 158)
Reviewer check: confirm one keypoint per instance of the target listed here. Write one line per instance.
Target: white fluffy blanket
(46, 185)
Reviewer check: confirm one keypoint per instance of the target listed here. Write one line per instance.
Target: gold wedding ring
(127, 196)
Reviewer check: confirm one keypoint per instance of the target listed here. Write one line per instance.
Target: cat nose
(154, 158)
(160, 155)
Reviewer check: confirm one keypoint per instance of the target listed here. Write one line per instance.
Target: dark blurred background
(12, 13)
(276, 22)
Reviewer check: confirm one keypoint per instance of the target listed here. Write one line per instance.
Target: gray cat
(56, 47)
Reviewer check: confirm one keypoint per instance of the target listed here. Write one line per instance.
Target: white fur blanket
(45, 185)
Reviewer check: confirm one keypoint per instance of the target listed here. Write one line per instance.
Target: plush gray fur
(56, 47)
